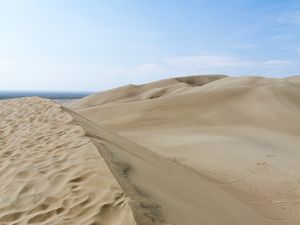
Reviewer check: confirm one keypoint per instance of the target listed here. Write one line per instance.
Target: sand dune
(294, 79)
(152, 90)
(211, 150)
(233, 142)
(163, 191)
(51, 172)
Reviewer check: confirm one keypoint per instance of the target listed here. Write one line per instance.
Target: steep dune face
(199, 80)
(241, 134)
(51, 172)
(163, 191)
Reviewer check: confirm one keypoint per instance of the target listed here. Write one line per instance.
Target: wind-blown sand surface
(204, 149)
(210, 150)
(51, 172)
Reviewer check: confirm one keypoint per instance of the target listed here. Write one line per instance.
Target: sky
(94, 45)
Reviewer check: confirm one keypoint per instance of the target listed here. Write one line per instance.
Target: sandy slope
(164, 192)
(51, 172)
(241, 136)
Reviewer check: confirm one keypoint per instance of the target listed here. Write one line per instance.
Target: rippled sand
(51, 172)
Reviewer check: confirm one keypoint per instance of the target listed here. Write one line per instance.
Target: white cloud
(243, 45)
(6, 63)
(149, 68)
(7, 66)
(204, 64)
(139, 70)
(205, 61)
(293, 18)
(75, 68)
(231, 65)
(277, 62)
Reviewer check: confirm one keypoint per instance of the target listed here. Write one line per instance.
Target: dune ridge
(143, 92)
(51, 172)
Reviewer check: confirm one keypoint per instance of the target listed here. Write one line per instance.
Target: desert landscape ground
(210, 149)
(51, 173)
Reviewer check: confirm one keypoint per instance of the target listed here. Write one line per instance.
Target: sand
(203, 149)
(51, 172)
(211, 150)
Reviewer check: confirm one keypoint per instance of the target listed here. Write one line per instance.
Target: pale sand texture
(241, 136)
(164, 192)
(51, 173)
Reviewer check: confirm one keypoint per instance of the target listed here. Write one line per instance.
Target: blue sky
(95, 45)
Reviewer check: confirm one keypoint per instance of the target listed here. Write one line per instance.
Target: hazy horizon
(112, 87)
(43, 94)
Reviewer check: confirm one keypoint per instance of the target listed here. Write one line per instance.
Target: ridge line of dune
(145, 210)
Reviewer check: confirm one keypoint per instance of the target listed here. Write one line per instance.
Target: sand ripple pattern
(51, 173)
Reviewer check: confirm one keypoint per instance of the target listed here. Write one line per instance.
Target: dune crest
(131, 93)
(51, 172)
